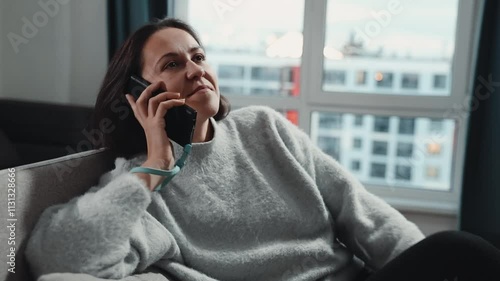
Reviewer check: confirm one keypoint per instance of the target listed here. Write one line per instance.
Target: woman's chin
(206, 109)
(205, 112)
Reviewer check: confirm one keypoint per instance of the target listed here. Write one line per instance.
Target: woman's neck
(203, 131)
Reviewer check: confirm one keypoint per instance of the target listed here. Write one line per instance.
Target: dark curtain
(480, 210)
(125, 16)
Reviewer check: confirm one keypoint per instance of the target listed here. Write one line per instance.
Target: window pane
(389, 150)
(231, 71)
(358, 120)
(409, 81)
(254, 50)
(333, 121)
(390, 47)
(404, 149)
(381, 124)
(406, 126)
(378, 170)
(356, 165)
(330, 145)
(439, 81)
(357, 143)
(379, 148)
(403, 172)
(384, 79)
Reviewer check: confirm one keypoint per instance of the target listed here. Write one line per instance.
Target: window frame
(313, 98)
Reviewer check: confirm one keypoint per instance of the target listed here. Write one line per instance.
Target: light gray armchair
(38, 186)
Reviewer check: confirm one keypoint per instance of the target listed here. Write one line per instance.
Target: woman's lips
(198, 89)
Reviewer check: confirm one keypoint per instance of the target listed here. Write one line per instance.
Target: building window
(432, 172)
(404, 149)
(403, 172)
(330, 146)
(225, 90)
(378, 170)
(409, 81)
(360, 77)
(436, 125)
(381, 124)
(433, 148)
(379, 148)
(355, 165)
(336, 77)
(384, 79)
(358, 120)
(406, 126)
(330, 121)
(231, 72)
(439, 81)
(266, 73)
(357, 143)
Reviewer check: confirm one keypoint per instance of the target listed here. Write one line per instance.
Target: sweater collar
(199, 149)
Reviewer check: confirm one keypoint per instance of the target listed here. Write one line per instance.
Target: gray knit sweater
(258, 202)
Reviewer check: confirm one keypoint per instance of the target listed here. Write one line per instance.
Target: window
(380, 46)
(357, 143)
(358, 120)
(336, 77)
(433, 148)
(384, 79)
(361, 77)
(409, 81)
(432, 172)
(229, 90)
(406, 126)
(435, 125)
(262, 56)
(266, 73)
(330, 146)
(330, 121)
(439, 81)
(381, 124)
(404, 149)
(355, 165)
(231, 72)
(379, 148)
(377, 170)
(400, 36)
(403, 172)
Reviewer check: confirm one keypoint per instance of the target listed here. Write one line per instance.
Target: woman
(256, 199)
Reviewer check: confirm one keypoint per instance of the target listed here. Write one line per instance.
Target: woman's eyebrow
(174, 54)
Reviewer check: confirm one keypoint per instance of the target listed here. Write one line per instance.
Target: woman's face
(173, 56)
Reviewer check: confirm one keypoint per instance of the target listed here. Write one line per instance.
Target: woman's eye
(199, 57)
(171, 64)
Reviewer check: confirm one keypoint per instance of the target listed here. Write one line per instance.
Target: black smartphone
(180, 120)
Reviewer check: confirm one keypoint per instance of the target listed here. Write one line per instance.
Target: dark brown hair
(113, 119)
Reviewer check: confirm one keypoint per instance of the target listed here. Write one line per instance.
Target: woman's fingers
(164, 106)
(156, 100)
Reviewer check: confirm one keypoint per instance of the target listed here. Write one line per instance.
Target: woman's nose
(194, 70)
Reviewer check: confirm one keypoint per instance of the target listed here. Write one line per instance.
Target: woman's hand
(150, 112)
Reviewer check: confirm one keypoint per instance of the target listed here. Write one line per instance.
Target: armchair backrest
(29, 189)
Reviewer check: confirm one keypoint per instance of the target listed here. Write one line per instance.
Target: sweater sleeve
(367, 225)
(106, 232)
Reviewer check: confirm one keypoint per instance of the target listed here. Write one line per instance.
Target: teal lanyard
(168, 174)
